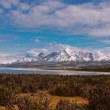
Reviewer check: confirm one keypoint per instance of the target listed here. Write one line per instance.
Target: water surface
(52, 72)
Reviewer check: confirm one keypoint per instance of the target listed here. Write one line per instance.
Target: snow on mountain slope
(32, 58)
(65, 55)
(34, 55)
(69, 55)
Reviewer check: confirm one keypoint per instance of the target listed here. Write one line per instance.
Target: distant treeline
(101, 68)
(94, 88)
(97, 68)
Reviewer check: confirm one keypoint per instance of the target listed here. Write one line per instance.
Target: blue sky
(29, 24)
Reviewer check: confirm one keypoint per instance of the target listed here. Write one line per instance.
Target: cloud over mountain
(6, 58)
(54, 52)
(64, 53)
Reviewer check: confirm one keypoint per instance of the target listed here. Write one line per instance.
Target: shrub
(7, 98)
(99, 99)
(43, 100)
(26, 103)
(39, 101)
(67, 105)
(63, 105)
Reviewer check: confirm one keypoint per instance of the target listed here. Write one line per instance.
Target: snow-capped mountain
(65, 55)
(69, 55)
(30, 58)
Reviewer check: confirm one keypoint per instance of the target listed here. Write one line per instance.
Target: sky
(29, 24)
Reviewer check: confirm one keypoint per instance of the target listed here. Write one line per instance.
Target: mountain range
(65, 55)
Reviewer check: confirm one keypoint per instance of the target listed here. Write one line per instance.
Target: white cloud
(13, 2)
(88, 19)
(101, 31)
(7, 4)
(37, 40)
(35, 52)
(106, 41)
(49, 48)
(58, 47)
(24, 6)
(9, 58)
(105, 50)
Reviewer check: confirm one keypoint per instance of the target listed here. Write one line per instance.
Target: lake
(52, 72)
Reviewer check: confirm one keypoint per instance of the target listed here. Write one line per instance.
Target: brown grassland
(54, 92)
(53, 99)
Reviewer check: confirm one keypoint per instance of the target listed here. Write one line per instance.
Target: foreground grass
(2, 108)
(75, 89)
(53, 99)
(78, 100)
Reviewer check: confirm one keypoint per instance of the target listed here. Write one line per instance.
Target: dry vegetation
(44, 97)
(54, 92)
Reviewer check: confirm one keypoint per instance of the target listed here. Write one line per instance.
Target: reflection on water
(60, 72)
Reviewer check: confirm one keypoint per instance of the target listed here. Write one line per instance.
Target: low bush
(67, 105)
